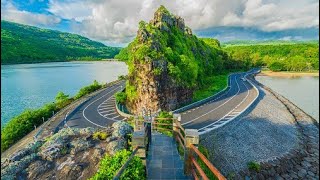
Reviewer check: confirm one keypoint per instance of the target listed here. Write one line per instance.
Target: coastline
(287, 74)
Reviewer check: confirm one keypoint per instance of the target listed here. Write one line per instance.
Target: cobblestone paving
(163, 160)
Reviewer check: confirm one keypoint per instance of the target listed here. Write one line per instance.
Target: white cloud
(10, 13)
(115, 20)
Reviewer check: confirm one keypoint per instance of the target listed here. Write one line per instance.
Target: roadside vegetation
(24, 123)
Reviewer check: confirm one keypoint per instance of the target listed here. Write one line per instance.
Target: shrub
(88, 89)
(254, 166)
(109, 166)
(100, 135)
(62, 100)
(121, 97)
(164, 114)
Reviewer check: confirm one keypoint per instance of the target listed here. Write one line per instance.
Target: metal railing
(192, 154)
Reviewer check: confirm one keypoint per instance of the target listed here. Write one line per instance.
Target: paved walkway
(163, 160)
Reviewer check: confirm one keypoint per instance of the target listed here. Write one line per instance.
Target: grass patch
(214, 85)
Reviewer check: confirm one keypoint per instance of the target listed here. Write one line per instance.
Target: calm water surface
(32, 85)
(302, 91)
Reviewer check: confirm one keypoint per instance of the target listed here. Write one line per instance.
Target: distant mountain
(268, 42)
(28, 44)
(225, 34)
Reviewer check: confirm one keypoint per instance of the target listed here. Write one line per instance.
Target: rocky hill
(167, 63)
(71, 153)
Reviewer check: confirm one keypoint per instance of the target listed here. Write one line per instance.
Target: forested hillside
(303, 56)
(27, 44)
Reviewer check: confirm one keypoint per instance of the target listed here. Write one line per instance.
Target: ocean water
(26, 86)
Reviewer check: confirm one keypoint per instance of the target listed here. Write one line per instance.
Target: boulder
(121, 129)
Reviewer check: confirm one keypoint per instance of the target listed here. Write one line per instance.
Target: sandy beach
(287, 74)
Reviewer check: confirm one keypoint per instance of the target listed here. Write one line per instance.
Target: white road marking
(105, 111)
(109, 114)
(105, 108)
(83, 114)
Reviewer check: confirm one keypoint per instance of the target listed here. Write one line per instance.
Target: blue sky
(115, 22)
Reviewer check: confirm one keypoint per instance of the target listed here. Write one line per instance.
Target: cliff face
(155, 91)
(166, 64)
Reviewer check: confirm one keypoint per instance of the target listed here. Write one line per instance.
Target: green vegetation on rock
(28, 44)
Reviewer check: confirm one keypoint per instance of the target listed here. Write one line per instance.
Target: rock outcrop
(71, 153)
(154, 85)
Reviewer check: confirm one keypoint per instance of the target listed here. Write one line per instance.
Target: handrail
(201, 172)
(164, 124)
(214, 170)
(120, 171)
(181, 137)
(181, 143)
(194, 174)
(162, 128)
(164, 118)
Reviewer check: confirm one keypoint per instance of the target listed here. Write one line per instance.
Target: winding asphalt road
(223, 108)
(98, 112)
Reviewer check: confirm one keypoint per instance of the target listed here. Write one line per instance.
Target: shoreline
(288, 74)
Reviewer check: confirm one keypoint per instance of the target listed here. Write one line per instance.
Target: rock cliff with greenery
(167, 63)
(28, 44)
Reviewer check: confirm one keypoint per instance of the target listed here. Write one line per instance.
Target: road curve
(223, 108)
(98, 112)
